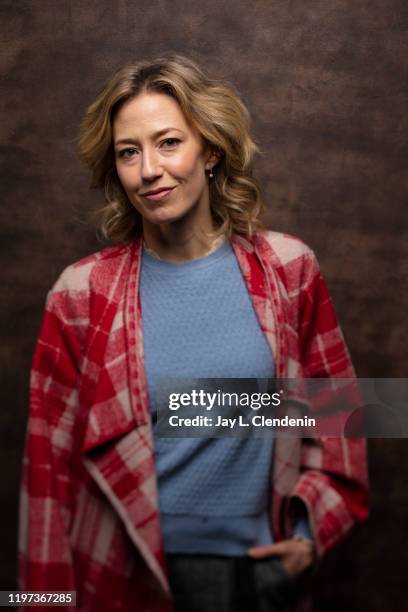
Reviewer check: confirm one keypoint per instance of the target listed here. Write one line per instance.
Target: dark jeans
(207, 583)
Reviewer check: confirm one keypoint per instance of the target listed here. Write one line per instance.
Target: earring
(211, 175)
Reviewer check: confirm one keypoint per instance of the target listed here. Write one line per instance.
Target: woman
(195, 289)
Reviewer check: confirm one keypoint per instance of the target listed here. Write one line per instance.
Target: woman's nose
(150, 167)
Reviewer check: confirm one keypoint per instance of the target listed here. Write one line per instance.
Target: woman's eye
(171, 142)
(127, 153)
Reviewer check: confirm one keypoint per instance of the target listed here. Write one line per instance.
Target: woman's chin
(163, 216)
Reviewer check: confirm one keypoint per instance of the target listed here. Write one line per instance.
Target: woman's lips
(159, 196)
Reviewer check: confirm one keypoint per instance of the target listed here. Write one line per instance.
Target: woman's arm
(45, 500)
(333, 484)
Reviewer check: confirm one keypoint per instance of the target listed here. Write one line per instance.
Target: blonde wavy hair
(215, 109)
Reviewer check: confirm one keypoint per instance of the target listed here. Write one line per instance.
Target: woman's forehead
(150, 112)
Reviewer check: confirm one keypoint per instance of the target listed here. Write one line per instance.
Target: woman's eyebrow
(154, 135)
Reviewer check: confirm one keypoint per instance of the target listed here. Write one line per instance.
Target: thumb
(260, 552)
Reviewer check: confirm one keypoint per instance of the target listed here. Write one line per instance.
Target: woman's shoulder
(79, 275)
(286, 248)
(281, 242)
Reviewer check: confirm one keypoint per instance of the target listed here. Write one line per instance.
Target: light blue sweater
(199, 322)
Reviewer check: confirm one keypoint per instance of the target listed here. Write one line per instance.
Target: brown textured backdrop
(326, 83)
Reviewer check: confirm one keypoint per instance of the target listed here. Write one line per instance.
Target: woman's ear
(214, 156)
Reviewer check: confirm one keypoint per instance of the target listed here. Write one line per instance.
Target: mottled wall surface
(326, 83)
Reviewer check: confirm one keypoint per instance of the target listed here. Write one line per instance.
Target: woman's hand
(296, 554)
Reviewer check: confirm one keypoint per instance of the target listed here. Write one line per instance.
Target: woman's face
(160, 159)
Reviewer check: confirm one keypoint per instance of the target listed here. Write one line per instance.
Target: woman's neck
(178, 242)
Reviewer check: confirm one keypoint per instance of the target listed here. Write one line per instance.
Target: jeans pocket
(274, 586)
(285, 574)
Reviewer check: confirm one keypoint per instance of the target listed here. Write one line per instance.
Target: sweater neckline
(171, 267)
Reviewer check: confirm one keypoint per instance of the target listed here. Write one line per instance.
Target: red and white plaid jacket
(89, 516)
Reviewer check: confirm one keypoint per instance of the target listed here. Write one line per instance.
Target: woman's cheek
(127, 180)
(122, 175)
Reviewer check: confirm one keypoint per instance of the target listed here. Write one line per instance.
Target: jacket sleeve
(333, 483)
(45, 561)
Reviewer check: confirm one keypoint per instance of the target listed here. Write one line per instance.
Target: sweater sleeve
(45, 561)
(333, 483)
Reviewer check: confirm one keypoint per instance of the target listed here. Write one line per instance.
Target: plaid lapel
(118, 443)
(259, 264)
